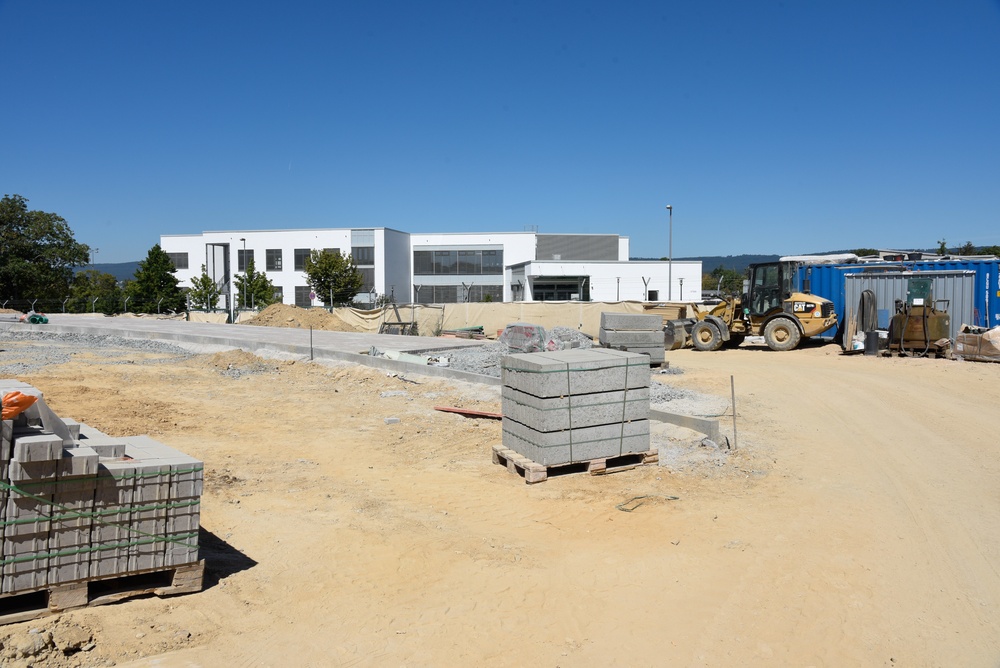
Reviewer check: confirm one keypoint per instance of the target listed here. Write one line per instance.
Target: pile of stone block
(575, 406)
(634, 332)
(78, 505)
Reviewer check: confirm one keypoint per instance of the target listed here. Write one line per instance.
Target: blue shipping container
(827, 280)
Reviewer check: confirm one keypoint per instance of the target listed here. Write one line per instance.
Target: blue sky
(771, 127)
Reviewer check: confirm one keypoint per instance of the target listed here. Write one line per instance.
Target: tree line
(39, 257)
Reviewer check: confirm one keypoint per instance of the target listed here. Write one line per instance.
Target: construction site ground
(857, 522)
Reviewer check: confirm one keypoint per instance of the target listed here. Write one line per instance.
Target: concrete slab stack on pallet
(85, 506)
(576, 405)
(635, 333)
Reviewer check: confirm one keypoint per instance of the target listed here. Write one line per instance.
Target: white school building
(439, 268)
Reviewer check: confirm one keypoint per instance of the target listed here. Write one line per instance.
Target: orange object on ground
(15, 403)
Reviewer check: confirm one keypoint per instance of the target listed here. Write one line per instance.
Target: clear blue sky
(771, 127)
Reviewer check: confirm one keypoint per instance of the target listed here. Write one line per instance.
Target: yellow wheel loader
(771, 308)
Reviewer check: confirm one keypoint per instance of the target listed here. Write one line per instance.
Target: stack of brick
(78, 505)
(574, 406)
(635, 333)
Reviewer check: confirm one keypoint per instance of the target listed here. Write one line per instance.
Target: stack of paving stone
(77, 505)
(573, 406)
(635, 333)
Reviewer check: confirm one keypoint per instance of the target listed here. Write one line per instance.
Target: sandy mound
(287, 315)
(10, 310)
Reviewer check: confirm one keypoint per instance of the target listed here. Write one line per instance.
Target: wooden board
(22, 607)
(533, 472)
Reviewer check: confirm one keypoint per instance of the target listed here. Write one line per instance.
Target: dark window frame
(241, 258)
(184, 260)
(273, 259)
(300, 255)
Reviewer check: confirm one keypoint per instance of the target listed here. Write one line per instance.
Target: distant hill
(710, 262)
(123, 271)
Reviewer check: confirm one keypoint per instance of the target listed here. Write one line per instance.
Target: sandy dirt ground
(857, 523)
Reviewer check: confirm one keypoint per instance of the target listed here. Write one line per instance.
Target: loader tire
(706, 336)
(782, 334)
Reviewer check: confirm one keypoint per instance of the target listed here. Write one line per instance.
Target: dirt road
(857, 524)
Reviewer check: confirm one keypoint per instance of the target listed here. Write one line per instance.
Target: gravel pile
(15, 361)
(486, 359)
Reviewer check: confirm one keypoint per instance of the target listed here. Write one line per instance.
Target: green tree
(862, 252)
(967, 249)
(155, 288)
(990, 250)
(333, 276)
(253, 288)
(37, 252)
(728, 281)
(204, 292)
(942, 247)
(91, 285)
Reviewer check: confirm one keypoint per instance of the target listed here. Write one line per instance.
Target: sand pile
(287, 315)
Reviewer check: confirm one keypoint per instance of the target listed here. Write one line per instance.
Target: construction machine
(771, 307)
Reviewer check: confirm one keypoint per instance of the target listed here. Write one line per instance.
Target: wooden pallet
(533, 472)
(90, 593)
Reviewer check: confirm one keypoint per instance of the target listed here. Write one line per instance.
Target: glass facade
(452, 294)
(363, 255)
(302, 296)
(457, 262)
(368, 279)
(180, 260)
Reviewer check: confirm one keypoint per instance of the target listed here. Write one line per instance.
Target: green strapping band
(97, 548)
(128, 529)
(76, 514)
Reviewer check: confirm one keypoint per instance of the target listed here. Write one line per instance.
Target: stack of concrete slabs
(574, 406)
(634, 332)
(80, 505)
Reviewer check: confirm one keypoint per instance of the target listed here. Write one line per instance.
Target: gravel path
(19, 360)
(485, 360)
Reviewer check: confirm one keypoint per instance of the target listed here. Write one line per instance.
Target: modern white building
(441, 267)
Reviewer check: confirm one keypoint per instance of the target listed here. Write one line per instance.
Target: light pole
(243, 239)
(670, 256)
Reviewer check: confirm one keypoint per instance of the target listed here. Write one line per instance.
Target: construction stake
(732, 386)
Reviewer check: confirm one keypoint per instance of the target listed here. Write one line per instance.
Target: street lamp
(670, 256)
(244, 297)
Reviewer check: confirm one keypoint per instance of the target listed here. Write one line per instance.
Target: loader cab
(770, 283)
